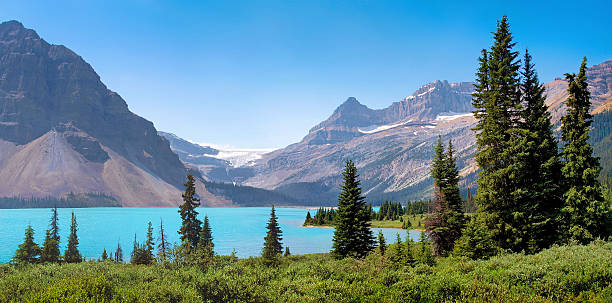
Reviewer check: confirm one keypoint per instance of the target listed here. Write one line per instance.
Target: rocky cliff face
(392, 147)
(62, 130)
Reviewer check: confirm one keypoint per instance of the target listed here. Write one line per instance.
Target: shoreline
(327, 226)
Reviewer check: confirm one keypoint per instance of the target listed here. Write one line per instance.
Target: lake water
(239, 229)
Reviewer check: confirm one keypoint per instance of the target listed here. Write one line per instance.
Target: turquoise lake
(239, 229)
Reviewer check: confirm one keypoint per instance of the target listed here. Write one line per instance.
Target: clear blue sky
(262, 73)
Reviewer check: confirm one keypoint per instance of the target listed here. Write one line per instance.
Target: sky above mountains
(259, 74)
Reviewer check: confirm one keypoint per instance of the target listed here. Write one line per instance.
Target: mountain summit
(63, 131)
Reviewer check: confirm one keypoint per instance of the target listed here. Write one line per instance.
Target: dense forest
(71, 200)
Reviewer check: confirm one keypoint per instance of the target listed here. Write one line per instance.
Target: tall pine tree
(585, 215)
(72, 254)
(50, 250)
(499, 137)
(352, 236)
(447, 219)
(542, 198)
(272, 242)
(28, 251)
(190, 229)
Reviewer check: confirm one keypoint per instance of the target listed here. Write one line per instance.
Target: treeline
(530, 196)
(388, 211)
(72, 200)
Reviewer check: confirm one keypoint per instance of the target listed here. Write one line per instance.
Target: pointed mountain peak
(14, 29)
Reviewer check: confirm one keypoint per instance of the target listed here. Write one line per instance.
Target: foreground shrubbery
(569, 273)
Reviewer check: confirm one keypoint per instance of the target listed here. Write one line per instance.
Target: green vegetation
(273, 247)
(353, 236)
(585, 214)
(446, 221)
(560, 274)
(71, 200)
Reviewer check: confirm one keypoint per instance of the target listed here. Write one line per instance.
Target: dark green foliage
(446, 221)
(542, 168)
(287, 252)
(50, 250)
(601, 140)
(478, 241)
(28, 251)
(72, 254)
(190, 229)
(206, 239)
(382, 246)
(72, 200)
(272, 245)
(352, 236)
(149, 244)
(390, 211)
(323, 217)
(585, 214)
(141, 255)
(104, 255)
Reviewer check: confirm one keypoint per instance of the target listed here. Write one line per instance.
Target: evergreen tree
(352, 236)
(542, 198)
(50, 250)
(287, 251)
(163, 244)
(28, 251)
(272, 245)
(500, 140)
(190, 229)
(134, 248)
(119, 253)
(585, 214)
(206, 238)
(382, 246)
(397, 254)
(149, 244)
(104, 255)
(72, 254)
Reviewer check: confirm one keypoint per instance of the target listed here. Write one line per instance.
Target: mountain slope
(63, 131)
(392, 147)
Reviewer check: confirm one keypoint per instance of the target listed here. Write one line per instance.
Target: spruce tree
(500, 140)
(50, 250)
(190, 229)
(585, 215)
(272, 245)
(446, 221)
(352, 236)
(149, 245)
(287, 252)
(542, 198)
(206, 238)
(104, 255)
(28, 251)
(119, 253)
(163, 244)
(382, 246)
(72, 254)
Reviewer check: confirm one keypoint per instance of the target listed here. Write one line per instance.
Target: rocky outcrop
(63, 131)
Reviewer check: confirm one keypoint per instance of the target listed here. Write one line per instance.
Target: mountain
(392, 147)
(62, 131)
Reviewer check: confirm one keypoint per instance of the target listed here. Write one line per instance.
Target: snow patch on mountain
(237, 157)
(378, 128)
(452, 116)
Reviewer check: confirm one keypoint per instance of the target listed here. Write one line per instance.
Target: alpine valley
(65, 135)
(391, 147)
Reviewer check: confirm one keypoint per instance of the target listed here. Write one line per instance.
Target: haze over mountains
(63, 131)
(392, 147)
